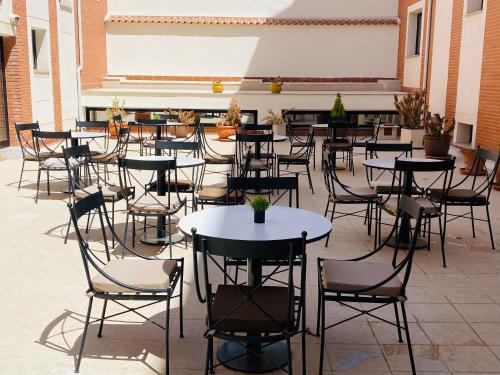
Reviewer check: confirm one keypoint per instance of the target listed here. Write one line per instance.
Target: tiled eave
(178, 20)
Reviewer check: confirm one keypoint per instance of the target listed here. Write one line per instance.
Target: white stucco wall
(41, 81)
(256, 8)
(6, 28)
(440, 56)
(206, 50)
(471, 59)
(412, 67)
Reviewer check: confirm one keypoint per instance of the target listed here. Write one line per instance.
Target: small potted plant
(230, 121)
(413, 111)
(259, 205)
(437, 138)
(338, 111)
(217, 87)
(276, 85)
(116, 109)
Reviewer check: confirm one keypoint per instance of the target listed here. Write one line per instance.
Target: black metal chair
(48, 146)
(302, 157)
(432, 207)
(185, 184)
(212, 157)
(361, 280)
(24, 134)
(148, 133)
(297, 142)
(252, 316)
(95, 126)
(376, 179)
(138, 278)
(261, 159)
(148, 203)
(84, 180)
(342, 194)
(110, 158)
(341, 138)
(472, 191)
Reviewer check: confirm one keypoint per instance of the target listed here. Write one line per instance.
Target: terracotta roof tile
(175, 20)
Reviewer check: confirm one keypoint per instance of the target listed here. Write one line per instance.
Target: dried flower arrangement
(412, 109)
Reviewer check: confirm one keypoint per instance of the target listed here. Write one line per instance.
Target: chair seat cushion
(182, 185)
(385, 187)
(248, 317)
(339, 146)
(258, 165)
(430, 209)
(219, 195)
(358, 194)
(29, 157)
(57, 164)
(153, 204)
(458, 196)
(294, 158)
(141, 273)
(347, 276)
(105, 157)
(47, 155)
(219, 159)
(108, 191)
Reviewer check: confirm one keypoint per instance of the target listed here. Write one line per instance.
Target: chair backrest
(307, 149)
(50, 142)
(24, 134)
(484, 161)
(282, 252)
(263, 127)
(372, 148)
(94, 125)
(346, 130)
(265, 140)
(190, 146)
(240, 185)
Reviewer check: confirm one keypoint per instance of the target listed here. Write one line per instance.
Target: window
(39, 50)
(474, 6)
(414, 41)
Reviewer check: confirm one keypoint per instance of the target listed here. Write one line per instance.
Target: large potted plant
(116, 109)
(230, 121)
(413, 111)
(437, 138)
(338, 111)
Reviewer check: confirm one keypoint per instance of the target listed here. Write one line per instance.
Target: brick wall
(54, 60)
(17, 73)
(488, 122)
(455, 44)
(94, 43)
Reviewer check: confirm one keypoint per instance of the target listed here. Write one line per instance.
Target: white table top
(182, 162)
(319, 126)
(276, 138)
(82, 134)
(388, 163)
(236, 222)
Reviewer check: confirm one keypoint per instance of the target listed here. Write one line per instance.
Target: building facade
(64, 59)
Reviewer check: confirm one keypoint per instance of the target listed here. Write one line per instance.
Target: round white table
(237, 223)
(181, 162)
(76, 136)
(276, 138)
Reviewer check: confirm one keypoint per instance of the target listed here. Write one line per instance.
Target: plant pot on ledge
(436, 146)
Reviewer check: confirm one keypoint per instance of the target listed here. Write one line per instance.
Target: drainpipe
(427, 47)
(80, 62)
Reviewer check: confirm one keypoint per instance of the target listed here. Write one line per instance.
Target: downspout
(80, 62)
(427, 49)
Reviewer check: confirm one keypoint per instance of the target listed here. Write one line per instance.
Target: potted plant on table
(338, 111)
(437, 138)
(413, 111)
(117, 109)
(259, 205)
(230, 121)
(276, 85)
(217, 87)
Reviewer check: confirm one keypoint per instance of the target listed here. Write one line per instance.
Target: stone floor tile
(451, 334)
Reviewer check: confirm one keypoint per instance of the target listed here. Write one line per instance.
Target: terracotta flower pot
(436, 146)
(476, 169)
(113, 128)
(224, 131)
(276, 87)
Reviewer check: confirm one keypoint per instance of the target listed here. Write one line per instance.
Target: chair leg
(48, 182)
(21, 176)
(472, 220)
(442, 238)
(167, 328)
(489, 226)
(429, 234)
(322, 338)
(67, 232)
(408, 339)
(133, 230)
(84, 336)
(331, 219)
(181, 308)
(396, 311)
(113, 223)
(101, 323)
(38, 185)
(289, 353)
(310, 179)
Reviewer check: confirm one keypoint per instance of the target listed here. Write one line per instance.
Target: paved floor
(454, 312)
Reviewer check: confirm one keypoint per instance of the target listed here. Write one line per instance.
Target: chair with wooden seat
(84, 180)
(48, 146)
(261, 161)
(145, 280)
(381, 181)
(97, 127)
(340, 194)
(24, 135)
(301, 157)
(252, 317)
(364, 280)
(432, 208)
(148, 203)
(110, 158)
(471, 191)
(298, 142)
(341, 138)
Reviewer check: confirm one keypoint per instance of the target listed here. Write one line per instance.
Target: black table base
(153, 239)
(271, 357)
(421, 243)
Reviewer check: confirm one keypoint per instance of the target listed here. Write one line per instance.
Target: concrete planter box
(413, 135)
